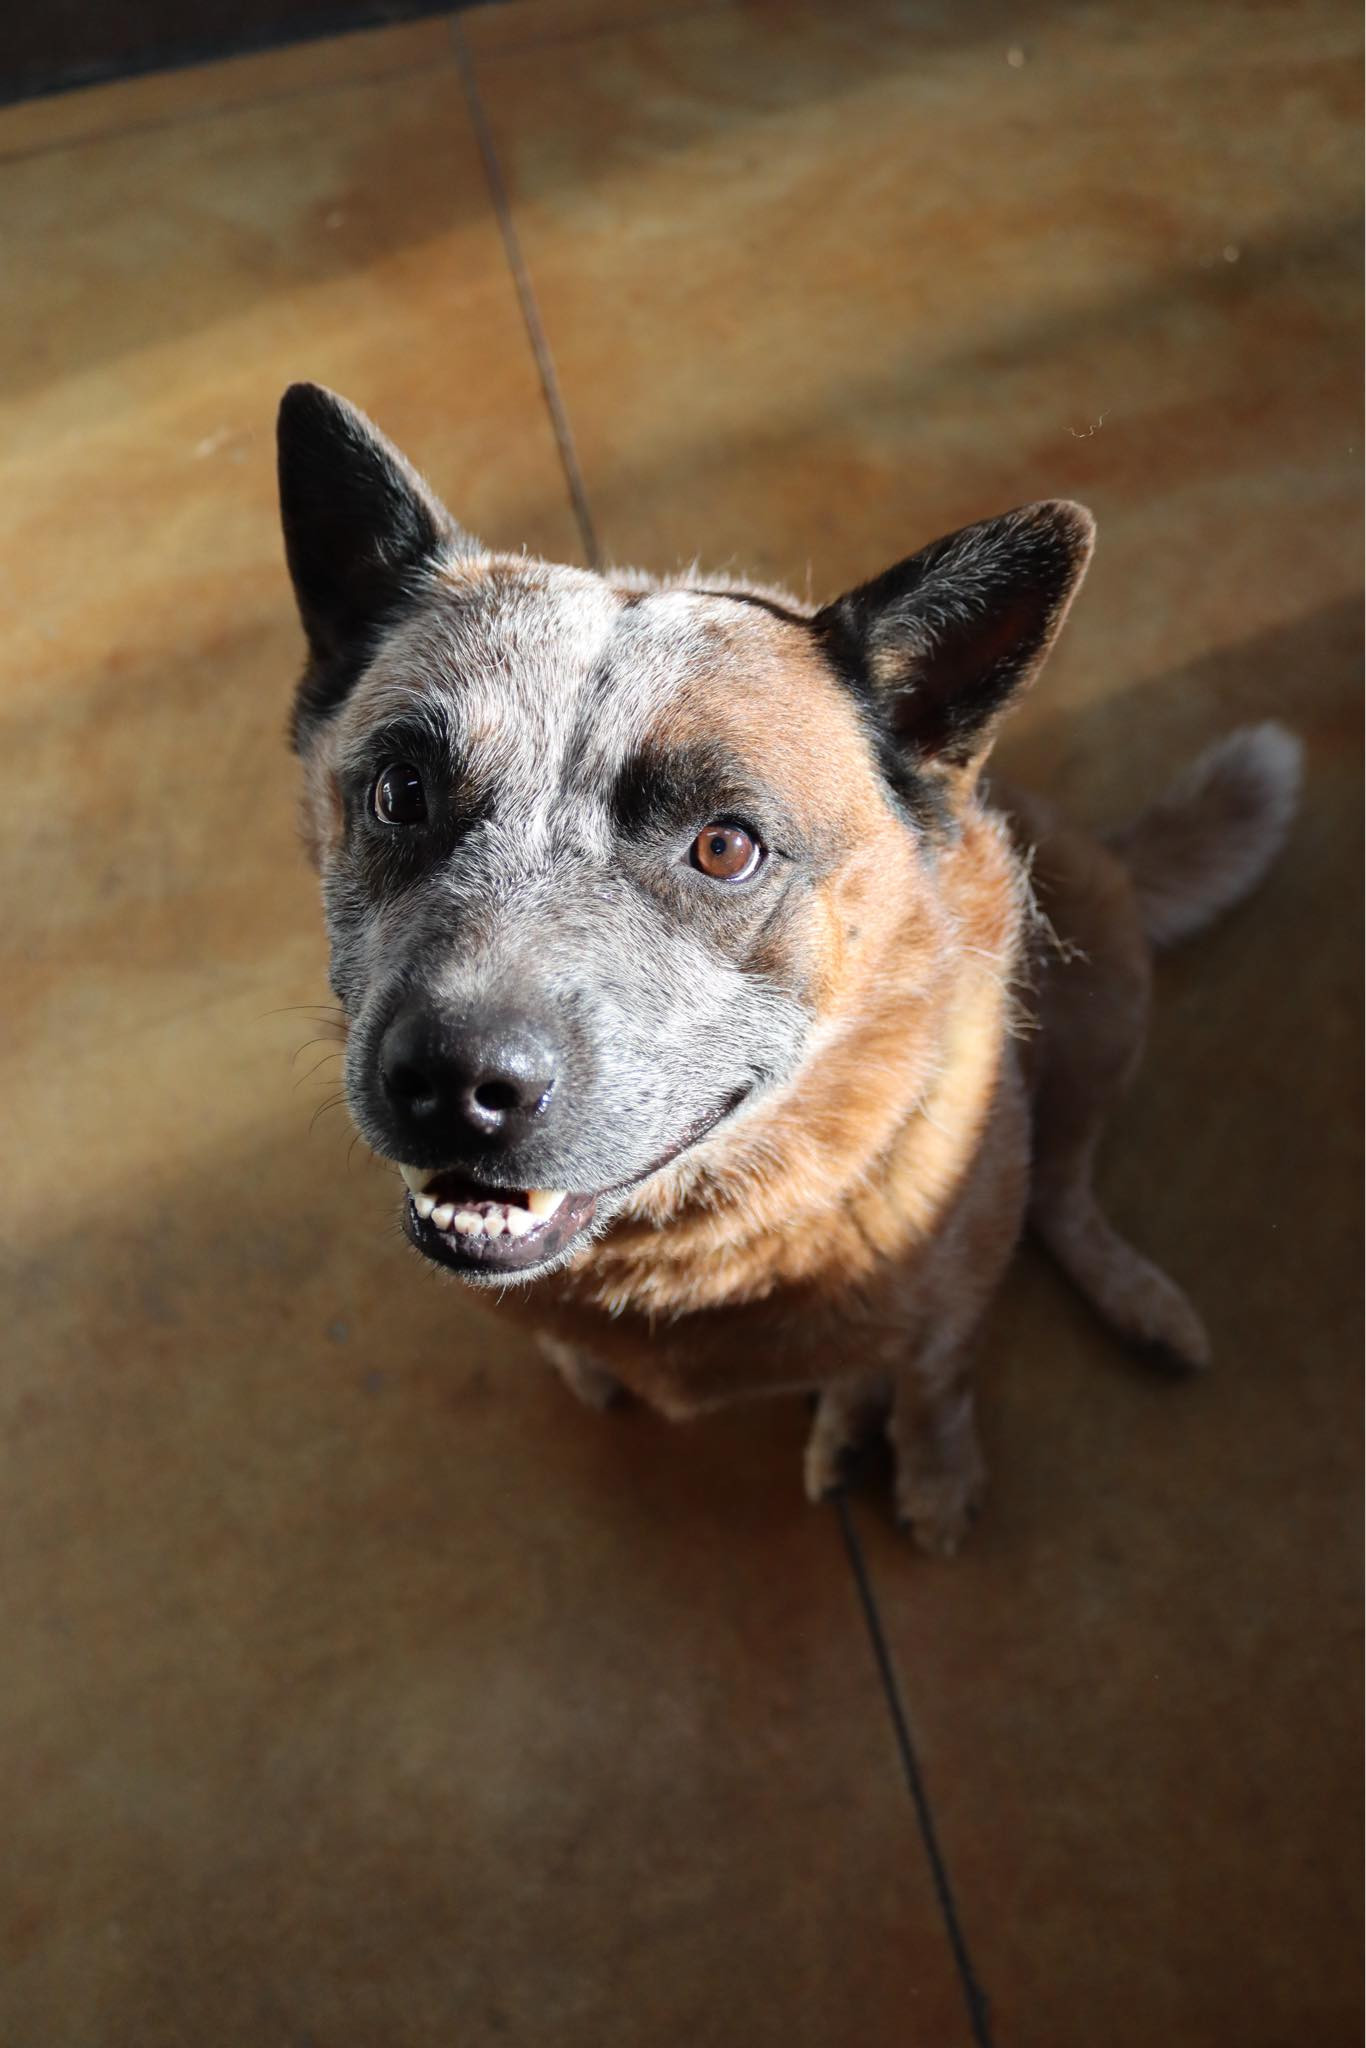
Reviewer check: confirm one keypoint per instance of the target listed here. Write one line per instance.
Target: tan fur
(851, 1237)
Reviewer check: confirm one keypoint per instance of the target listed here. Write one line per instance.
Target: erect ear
(359, 523)
(940, 643)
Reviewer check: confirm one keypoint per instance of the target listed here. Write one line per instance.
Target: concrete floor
(360, 1690)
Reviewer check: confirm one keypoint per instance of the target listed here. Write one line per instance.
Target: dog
(722, 1022)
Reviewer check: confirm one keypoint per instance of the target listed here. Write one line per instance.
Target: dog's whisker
(328, 1010)
(324, 1108)
(303, 1079)
(324, 1038)
(369, 1156)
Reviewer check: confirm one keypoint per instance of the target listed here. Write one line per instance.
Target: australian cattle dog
(722, 1024)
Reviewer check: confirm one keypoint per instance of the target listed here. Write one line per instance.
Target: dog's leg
(1129, 1291)
(592, 1383)
(1093, 1014)
(933, 1431)
(846, 1414)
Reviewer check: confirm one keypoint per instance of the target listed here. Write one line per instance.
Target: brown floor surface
(359, 1689)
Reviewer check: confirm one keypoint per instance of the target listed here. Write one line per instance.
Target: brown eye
(399, 796)
(725, 853)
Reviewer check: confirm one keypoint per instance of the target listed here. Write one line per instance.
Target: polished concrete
(359, 1689)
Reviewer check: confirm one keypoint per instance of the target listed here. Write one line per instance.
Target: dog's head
(601, 860)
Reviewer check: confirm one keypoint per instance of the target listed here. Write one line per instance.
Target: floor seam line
(975, 1997)
(531, 312)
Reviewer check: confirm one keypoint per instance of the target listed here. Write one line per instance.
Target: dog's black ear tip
(299, 399)
(1079, 518)
(297, 413)
(1066, 519)
(306, 408)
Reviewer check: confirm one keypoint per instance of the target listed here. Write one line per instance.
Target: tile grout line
(531, 314)
(978, 2008)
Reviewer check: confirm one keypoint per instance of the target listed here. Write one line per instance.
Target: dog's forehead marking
(550, 676)
(664, 644)
(552, 681)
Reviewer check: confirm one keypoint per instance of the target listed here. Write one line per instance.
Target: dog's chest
(849, 1318)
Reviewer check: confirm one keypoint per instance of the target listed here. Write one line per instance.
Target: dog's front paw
(940, 1477)
(938, 1509)
(846, 1415)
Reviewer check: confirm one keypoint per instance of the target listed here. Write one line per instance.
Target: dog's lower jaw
(494, 1256)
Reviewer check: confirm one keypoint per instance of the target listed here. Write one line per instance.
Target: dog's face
(591, 853)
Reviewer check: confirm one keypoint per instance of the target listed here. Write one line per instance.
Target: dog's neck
(860, 1158)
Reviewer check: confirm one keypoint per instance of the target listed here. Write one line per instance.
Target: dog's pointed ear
(939, 644)
(359, 522)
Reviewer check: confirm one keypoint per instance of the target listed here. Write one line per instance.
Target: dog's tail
(1208, 841)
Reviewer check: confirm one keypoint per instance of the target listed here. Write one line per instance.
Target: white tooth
(424, 1205)
(442, 1217)
(417, 1177)
(520, 1221)
(495, 1223)
(544, 1202)
(467, 1222)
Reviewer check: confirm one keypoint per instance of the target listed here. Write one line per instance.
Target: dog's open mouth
(486, 1232)
(478, 1229)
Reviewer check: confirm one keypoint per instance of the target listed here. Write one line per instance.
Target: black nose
(450, 1083)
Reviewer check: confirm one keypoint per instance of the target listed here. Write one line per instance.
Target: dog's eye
(399, 797)
(726, 853)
